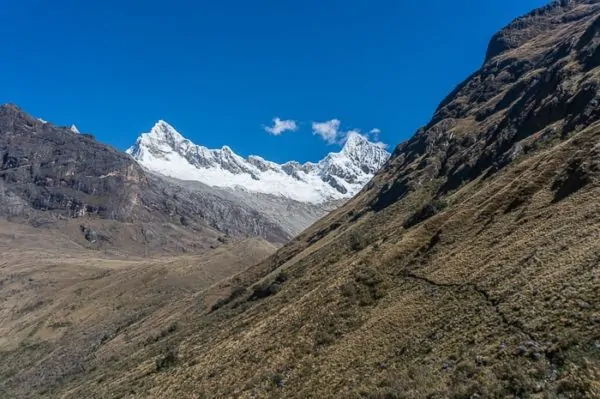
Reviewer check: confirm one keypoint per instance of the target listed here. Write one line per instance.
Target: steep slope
(54, 177)
(338, 176)
(467, 268)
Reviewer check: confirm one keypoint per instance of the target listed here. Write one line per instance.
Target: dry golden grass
(65, 308)
(490, 297)
(487, 287)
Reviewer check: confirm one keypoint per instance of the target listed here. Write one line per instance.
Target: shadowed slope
(467, 268)
(55, 178)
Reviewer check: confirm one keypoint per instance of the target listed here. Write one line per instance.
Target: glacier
(338, 176)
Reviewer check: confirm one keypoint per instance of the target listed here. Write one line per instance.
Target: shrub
(264, 290)
(169, 359)
(219, 304)
(236, 292)
(282, 277)
(367, 287)
(324, 338)
(278, 380)
(434, 207)
(357, 241)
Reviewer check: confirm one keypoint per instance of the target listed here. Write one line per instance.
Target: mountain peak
(338, 176)
(10, 106)
(354, 138)
(367, 155)
(164, 130)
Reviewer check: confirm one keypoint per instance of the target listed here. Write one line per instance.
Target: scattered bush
(434, 207)
(577, 175)
(269, 288)
(236, 292)
(324, 338)
(367, 287)
(264, 290)
(219, 304)
(357, 241)
(282, 277)
(169, 359)
(278, 380)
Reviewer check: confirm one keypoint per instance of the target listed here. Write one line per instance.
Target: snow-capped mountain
(338, 176)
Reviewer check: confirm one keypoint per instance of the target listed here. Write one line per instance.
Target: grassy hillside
(65, 310)
(468, 268)
(495, 295)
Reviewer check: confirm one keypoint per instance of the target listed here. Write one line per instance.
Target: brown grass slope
(467, 268)
(65, 309)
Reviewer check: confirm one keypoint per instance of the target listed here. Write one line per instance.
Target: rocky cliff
(467, 268)
(51, 176)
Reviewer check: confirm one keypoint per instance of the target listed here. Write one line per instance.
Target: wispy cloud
(280, 126)
(328, 131)
(374, 134)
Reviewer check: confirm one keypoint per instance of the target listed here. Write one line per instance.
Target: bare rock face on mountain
(337, 177)
(290, 195)
(538, 85)
(55, 177)
(467, 268)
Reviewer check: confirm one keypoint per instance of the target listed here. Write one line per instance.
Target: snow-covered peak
(74, 129)
(353, 140)
(163, 132)
(338, 176)
(364, 153)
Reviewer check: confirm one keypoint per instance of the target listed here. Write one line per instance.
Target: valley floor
(65, 309)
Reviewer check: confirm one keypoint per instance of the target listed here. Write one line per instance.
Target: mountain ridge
(53, 176)
(468, 267)
(337, 176)
(56, 178)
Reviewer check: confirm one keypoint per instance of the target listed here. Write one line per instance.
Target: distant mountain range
(177, 197)
(338, 176)
(468, 267)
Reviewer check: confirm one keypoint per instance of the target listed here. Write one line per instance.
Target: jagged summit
(539, 23)
(468, 267)
(363, 152)
(338, 176)
(162, 129)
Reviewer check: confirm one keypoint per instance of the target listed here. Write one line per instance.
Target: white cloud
(344, 136)
(374, 133)
(331, 133)
(328, 131)
(280, 126)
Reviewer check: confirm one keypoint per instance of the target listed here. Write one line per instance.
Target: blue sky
(220, 71)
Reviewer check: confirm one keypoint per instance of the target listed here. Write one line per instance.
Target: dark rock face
(536, 23)
(89, 234)
(539, 83)
(52, 174)
(54, 169)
